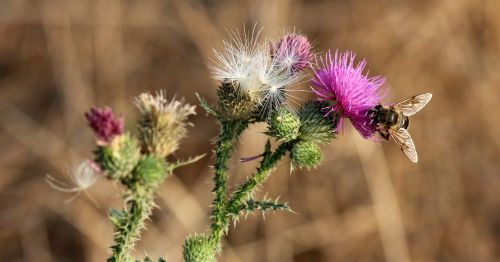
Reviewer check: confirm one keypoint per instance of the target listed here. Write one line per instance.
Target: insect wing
(414, 104)
(405, 143)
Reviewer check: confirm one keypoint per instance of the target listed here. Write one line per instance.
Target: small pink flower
(292, 51)
(104, 123)
(352, 93)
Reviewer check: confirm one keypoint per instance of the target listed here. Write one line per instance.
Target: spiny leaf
(186, 162)
(265, 205)
(207, 107)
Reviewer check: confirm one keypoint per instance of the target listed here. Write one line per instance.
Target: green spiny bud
(234, 102)
(316, 126)
(306, 154)
(150, 169)
(198, 248)
(284, 125)
(119, 157)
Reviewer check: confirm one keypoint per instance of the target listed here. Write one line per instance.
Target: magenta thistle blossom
(351, 92)
(104, 123)
(292, 51)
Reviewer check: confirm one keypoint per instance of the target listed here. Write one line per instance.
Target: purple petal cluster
(351, 92)
(292, 51)
(104, 123)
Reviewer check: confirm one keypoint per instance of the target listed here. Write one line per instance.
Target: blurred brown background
(367, 202)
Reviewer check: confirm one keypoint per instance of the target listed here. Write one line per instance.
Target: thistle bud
(284, 125)
(118, 158)
(198, 248)
(105, 124)
(163, 123)
(150, 170)
(306, 154)
(234, 102)
(292, 51)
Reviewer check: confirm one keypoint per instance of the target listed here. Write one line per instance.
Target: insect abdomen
(405, 122)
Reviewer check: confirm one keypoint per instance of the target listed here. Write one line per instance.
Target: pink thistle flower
(351, 92)
(292, 51)
(105, 124)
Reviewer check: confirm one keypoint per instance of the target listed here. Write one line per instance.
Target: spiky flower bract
(315, 126)
(104, 123)
(162, 124)
(233, 103)
(351, 92)
(292, 51)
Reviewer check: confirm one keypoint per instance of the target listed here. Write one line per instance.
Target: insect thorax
(388, 117)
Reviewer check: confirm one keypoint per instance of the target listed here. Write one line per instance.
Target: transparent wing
(405, 143)
(414, 104)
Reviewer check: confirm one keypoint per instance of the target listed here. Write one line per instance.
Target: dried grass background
(366, 202)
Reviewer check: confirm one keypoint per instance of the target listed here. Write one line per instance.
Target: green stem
(230, 131)
(129, 222)
(269, 161)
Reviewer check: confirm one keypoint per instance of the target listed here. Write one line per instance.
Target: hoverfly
(393, 121)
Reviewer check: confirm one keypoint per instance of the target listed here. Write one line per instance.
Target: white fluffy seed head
(237, 60)
(276, 81)
(257, 73)
(85, 174)
(81, 176)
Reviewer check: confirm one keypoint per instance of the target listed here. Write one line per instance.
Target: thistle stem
(130, 223)
(269, 161)
(230, 131)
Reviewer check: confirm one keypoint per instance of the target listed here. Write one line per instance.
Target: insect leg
(384, 133)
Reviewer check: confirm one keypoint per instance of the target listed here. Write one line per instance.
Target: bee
(392, 121)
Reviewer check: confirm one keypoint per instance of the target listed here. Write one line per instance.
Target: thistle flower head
(350, 92)
(292, 51)
(162, 124)
(104, 123)
(82, 176)
(258, 78)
